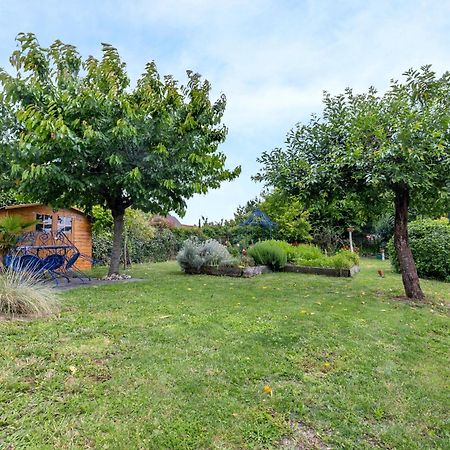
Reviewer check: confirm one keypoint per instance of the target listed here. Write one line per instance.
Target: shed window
(44, 222)
(65, 224)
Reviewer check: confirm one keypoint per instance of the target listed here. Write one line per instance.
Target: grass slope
(180, 362)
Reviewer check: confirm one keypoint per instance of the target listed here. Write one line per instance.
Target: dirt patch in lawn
(303, 438)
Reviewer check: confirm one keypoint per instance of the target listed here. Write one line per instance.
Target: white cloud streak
(273, 59)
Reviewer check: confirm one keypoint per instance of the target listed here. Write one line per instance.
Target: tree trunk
(118, 216)
(407, 265)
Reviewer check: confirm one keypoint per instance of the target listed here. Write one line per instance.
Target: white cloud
(272, 58)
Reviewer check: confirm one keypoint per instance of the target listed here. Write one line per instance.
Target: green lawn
(180, 362)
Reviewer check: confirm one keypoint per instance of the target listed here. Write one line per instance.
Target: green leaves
(367, 144)
(87, 138)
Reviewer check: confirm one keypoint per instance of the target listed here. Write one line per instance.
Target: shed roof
(27, 205)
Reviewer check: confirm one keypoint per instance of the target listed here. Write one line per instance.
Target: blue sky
(272, 59)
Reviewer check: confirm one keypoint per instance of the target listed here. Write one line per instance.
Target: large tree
(376, 148)
(86, 138)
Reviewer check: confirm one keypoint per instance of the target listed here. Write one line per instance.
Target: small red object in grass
(381, 273)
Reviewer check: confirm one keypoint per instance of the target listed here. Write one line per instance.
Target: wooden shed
(73, 222)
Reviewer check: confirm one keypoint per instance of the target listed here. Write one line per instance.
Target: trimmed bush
(268, 253)
(195, 254)
(430, 245)
(21, 294)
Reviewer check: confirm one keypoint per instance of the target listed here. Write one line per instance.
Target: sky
(272, 59)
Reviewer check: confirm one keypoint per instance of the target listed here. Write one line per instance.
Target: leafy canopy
(85, 137)
(365, 146)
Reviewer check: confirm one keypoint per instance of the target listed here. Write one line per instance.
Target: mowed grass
(180, 362)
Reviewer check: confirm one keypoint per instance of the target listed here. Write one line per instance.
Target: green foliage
(196, 254)
(22, 294)
(101, 247)
(289, 249)
(312, 257)
(137, 225)
(85, 137)
(268, 253)
(367, 145)
(328, 237)
(11, 227)
(302, 255)
(384, 229)
(289, 214)
(430, 244)
(307, 252)
(182, 233)
(202, 349)
(102, 220)
(369, 149)
(351, 256)
(161, 246)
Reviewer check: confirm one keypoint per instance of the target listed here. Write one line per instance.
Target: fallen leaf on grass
(267, 389)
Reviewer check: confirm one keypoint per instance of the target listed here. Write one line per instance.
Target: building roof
(27, 205)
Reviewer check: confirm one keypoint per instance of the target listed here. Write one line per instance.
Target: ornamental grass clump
(196, 254)
(22, 294)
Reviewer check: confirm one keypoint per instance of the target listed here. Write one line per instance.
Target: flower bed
(212, 258)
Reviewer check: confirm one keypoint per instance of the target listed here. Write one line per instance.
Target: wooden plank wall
(81, 235)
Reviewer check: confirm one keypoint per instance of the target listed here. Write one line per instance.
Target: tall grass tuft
(23, 294)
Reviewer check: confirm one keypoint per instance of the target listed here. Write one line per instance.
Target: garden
(282, 360)
(282, 327)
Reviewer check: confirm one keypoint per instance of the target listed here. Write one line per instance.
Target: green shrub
(323, 261)
(268, 253)
(196, 254)
(311, 256)
(22, 294)
(289, 249)
(162, 247)
(352, 257)
(344, 260)
(140, 248)
(430, 245)
(307, 252)
(101, 247)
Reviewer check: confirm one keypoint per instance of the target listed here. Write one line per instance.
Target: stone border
(230, 271)
(248, 272)
(322, 270)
